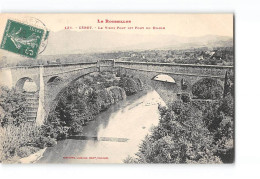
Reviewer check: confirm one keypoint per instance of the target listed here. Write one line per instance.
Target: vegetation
(82, 101)
(207, 56)
(12, 107)
(18, 138)
(199, 131)
(207, 88)
(21, 141)
(131, 85)
(78, 104)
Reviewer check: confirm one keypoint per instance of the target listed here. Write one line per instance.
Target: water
(114, 135)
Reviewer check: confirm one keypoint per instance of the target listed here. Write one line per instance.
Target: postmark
(22, 38)
(38, 23)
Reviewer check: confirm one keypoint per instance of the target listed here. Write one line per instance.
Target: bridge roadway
(52, 79)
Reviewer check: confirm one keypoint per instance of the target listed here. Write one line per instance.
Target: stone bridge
(52, 79)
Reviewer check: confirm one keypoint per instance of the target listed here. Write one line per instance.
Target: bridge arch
(164, 78)
(54, 79)
(145, 71)
(57, 94)
(29, 88)
(26, 84)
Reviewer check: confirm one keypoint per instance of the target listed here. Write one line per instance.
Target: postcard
(117, 88)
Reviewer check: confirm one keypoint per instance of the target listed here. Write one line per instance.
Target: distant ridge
(73, 42)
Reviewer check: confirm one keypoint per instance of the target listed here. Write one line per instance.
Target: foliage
(18, 138)
(207, 88)
(13, 107)
(75, 128)
(81, 102)
(185, 97)
(54, 129)
(21, 140)
(130, 85)
(25, 151)
(195, 132)
(181, 136)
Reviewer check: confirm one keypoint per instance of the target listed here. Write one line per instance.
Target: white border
(247, 25)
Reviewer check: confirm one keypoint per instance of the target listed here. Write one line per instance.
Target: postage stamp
(22, 39)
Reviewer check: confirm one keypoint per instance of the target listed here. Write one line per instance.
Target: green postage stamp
(22, 39)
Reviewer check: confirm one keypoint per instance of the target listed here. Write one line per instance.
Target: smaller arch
(54, 79)
(164, 78)
(26, 84)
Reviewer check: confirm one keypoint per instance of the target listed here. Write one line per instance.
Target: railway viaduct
(52, 79)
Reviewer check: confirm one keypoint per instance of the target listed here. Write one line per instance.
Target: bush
(207, 88)
(43, 142)
(13, 107)
(173, 141)
(13, 137)
(18, 138)
(117, 93)
(185, 97)
(25, 151)
(75, 128)
(227, 105)
(58, 132)
(189, 133)
(131, 85)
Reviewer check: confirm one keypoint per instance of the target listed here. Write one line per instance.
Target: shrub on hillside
(25, 151)
(185, 97)
(55, 130)
(117, 93)
(227, 105)
(13, 107)
(43, 142)
(131, 85)
(189, 133)
(218, 118)
(173, 141)
(12, 138)
(207, 88)
(75, 128)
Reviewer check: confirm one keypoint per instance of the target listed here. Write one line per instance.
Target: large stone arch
(53, 90)
(56, 99)
(52, 100)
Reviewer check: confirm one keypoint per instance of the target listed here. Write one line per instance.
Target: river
(115, 133)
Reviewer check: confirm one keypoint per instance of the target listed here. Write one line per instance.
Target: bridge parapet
(178, 69)
(104, 65)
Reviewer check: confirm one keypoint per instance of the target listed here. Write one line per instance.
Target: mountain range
(74, 42)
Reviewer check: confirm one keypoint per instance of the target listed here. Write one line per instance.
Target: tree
(13, 104)
(207, 88)
(180, 137)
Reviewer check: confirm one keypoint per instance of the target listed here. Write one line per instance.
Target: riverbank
(77, 106)
(113, 135)
(33, 158)
(82, 101)
(21, 141)
(198, 132)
